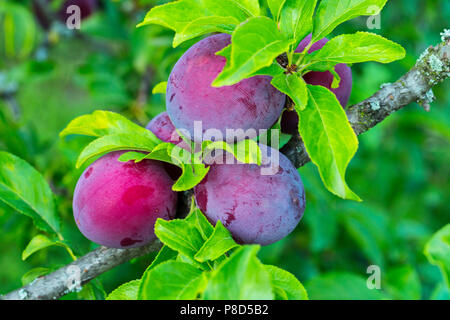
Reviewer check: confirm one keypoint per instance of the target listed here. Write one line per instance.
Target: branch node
(426, 100)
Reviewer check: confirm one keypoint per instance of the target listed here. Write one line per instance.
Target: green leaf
(165, 254)
(272, 70)
(160, 88)
(437, 251)
(440, 292)
(33, 274)
(102, 123)
(368, 229)
(329, 139)
(203, 25)
(116, 142)
(192, 173)
(217, 245)
(336, 79)
(193, 169)
(254, 45)
(294, 86)
(403, 283)
(286, 284)
(332, 13)
(114, 132)
(20, 33)
(341, 286)
(275, 8)
(241, 277)
(355, 48)
(127, 291)
(180, 235)
(172, 280)
(38, 243)
(193, 18)
(296, 20)
(132, 156)
(92, 291)
(251, 7)
(198, 219)
(25, 190)
(244, 151)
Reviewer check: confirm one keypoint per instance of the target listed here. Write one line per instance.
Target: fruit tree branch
(432, 68)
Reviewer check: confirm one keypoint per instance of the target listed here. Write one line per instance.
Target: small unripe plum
(250, 104)
(289, 120)
(255, 208)
(116, 204)
(163, 128)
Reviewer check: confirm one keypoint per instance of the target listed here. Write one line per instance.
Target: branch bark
(432, 68)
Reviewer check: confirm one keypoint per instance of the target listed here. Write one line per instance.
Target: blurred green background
(49, 75)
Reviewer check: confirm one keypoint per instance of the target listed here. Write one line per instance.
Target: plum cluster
(117, 203)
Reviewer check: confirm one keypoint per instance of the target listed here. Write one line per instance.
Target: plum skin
(163, 128)
(116, 204)
(289, 119)
(250, 104)
(87, 8)
(255, 208)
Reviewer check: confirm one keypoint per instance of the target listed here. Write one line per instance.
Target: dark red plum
(44, 14)
(289, 120)
(163, 128)
(87, 7)
(255, 208)
(250, 104)
(116, 204)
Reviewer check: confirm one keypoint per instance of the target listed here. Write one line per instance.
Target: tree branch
(432, 68)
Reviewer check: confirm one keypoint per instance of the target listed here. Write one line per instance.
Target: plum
(250, 104)
(326, 78)
(87, 7)
(255, 208)
(289, 119)
(163, 128)
(44, 14)
(116, 204)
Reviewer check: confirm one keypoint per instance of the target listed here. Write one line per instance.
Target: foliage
(400, 170)
(202, 261)
(258, 41)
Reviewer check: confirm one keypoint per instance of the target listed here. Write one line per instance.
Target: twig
(432, 68)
